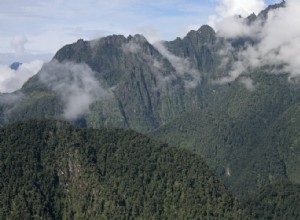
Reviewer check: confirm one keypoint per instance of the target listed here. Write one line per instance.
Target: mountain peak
(139, 37)
(15, 65)
(205, 34)
(206, 29)
(264, 14)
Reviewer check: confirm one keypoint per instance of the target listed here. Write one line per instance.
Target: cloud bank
(228, 8)
(76, 84)
(277, 41)
(12, 80)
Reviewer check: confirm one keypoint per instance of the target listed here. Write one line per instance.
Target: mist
(277, 41)
(156, 65)
(8, 102)
(183, 67)
(76, 84)
(12, 80)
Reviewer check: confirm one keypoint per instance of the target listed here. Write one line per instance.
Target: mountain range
(179, 92)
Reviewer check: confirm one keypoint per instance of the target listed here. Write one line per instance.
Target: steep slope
(249, 138)
(200, 47)
(52, 170)
(147, 88)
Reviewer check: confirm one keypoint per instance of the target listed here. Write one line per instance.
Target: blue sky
(35, 29)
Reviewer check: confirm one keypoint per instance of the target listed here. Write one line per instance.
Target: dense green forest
(277, 201)
(249, 138)
(152, 133)
(52, 170)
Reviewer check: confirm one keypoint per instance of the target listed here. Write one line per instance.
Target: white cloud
(76, 84)
(278, 42)
(131, 47)
(228, 8)
(18, 44)
(183, 67)
(232, 27)
(248, 83)
(53, 21)
(8, 102)
(12, 80)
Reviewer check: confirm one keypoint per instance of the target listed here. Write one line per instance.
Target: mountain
(249, 138)
(244, 128)
(53, 170)
(146, 89)
(15, 65)
(264, 13)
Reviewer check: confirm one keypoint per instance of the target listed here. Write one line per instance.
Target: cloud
(8, 101)
(277, 42)
(63, 22)
(235, 26)
(134, 47)
(11, 80)
(131, 47)
(18, 44)
(248, 83)
(229, 8)
(183, 67)
(226, 19)
(76, 84)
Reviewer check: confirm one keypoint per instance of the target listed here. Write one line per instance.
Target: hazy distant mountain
(15, 65)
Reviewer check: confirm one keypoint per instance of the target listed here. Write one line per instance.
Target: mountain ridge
(174, 91)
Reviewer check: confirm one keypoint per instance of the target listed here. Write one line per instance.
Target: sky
(36, 29)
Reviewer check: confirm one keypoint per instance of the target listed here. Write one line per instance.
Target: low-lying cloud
(277, 41)
(156, 65)
(183, 67)
(12, 80)
(8, 101)
(76, 84)
(228, 9)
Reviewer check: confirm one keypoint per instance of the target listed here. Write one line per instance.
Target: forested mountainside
(53, 170)
(184, 92)
(144, 88)
(251, 135)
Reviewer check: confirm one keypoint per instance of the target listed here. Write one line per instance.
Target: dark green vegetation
(248, 137)
(279, 201)
(252, 135)
(52, 170)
